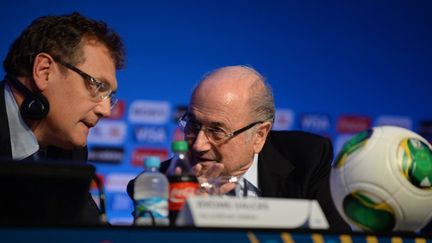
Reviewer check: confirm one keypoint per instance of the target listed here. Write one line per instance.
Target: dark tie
(249, 189)
(246, 189)
(39, 155)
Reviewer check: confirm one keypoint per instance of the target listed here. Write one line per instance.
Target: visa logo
(150, 134)
(315, 122)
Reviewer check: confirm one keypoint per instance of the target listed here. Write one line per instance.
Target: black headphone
(35, 106)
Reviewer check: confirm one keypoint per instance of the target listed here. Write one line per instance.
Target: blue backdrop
(336, 67)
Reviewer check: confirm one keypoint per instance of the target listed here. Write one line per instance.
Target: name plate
(208, 211)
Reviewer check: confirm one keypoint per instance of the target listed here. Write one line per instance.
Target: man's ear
(42, 69)
(261, 136)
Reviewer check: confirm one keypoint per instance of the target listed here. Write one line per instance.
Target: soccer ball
(381, 180)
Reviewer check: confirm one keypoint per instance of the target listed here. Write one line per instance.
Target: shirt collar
(23, 140)
(252, 173)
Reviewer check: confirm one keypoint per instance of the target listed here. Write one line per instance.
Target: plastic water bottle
(183, 182)
(151, 195)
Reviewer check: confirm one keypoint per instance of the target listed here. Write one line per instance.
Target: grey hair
(261, 100)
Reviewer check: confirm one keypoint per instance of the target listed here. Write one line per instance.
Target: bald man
(228, 129)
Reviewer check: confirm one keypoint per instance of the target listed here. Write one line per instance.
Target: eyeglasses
(98, 89)
(215, 135)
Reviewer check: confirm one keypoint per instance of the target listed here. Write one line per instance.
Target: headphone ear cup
(34, 107)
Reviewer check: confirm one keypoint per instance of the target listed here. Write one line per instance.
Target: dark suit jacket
(91, 213)
(294, 165)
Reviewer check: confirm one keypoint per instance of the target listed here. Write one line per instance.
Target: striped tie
(249, 190)
(244, 189)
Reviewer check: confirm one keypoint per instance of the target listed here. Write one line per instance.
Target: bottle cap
(180, 146)
(152, 161)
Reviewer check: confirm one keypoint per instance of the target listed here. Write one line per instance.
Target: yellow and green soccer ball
(381, 180)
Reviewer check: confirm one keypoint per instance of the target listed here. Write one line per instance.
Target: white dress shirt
(23, 141)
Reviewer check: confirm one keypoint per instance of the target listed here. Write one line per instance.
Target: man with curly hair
(60, 81)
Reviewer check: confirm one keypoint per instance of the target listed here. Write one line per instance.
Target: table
(115, 234)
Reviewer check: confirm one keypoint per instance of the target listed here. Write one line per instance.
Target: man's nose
(201, 142)
(103, 108)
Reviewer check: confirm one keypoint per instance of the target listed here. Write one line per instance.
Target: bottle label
(179, 191)
(147, 207)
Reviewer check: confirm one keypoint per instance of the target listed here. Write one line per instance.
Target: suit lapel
(274, 172)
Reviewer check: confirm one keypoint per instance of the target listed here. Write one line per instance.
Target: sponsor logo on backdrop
(120, 202)
(139, 154)
(284, 119)
(353, 124)
(178, 134)
(178, 113)
(112, 155)
(400, 121)
(117, 182)
(150, 134)
(108, 132)
(315, 122)
(118, 111)
(151, 112)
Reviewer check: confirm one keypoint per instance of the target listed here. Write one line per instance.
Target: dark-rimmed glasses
(215, 135)
(98, 89)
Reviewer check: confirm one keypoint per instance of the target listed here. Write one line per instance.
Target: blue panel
(323, 59)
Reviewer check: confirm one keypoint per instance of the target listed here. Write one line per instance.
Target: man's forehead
(217, 113)
(219, 99)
